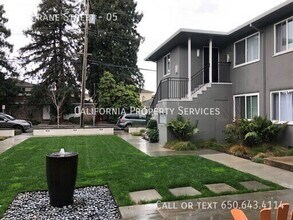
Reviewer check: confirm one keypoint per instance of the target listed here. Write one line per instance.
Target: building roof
(22, 83)
(201, 37)
(146, 91)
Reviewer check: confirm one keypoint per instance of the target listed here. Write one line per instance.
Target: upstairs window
(167, 65)
(247, 50)
(284, 36)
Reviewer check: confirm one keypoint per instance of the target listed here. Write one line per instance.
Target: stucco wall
(211, 125)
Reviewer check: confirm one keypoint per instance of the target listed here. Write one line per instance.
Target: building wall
(196, 62)
(143, 96)
(179, 57)
(279, 75)
(271, 73)
(211, 125)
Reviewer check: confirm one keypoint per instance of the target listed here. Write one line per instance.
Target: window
(282, 105)
(246, 106)
(167, 64)
(284, 36)
(247, 50)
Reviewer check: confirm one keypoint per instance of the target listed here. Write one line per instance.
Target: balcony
(177, 88)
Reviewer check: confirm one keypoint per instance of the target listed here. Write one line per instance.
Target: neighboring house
(215, 77)
(20, 108)
(147, 103)
(145, 95)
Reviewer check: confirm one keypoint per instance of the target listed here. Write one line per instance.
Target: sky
(161, 19)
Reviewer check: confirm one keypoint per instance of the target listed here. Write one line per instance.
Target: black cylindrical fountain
(61, 172)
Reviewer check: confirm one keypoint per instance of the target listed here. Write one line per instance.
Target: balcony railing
(197, 80)
(177, 88)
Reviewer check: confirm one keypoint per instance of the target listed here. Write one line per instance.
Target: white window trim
(245, 95)
(275, 38)
(271, 106)
(252, 61)
(164, 66)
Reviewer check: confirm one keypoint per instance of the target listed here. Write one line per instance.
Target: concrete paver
(254, 185)
(185, 191)
(144, 196)
(220, 187)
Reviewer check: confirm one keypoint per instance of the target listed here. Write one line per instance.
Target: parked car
(7, 121)
(129, 120)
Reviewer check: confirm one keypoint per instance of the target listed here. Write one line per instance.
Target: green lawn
(112, 161)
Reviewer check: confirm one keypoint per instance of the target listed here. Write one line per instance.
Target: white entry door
(46, 112)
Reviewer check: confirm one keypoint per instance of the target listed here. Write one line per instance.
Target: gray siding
(269, 74)
(210, 126)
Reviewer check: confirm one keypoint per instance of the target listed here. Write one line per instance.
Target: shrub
(152, 124)
(257, 160)
(289, 152)
(180, 145)
(239, 150)
(182, 129)
(252, 133)
(153, 135)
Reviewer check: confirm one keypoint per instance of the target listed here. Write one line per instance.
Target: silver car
(129, 120)
(7, 121)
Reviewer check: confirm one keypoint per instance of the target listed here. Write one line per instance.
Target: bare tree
(58, 97)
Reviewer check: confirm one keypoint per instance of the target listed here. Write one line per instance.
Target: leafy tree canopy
(117, 95)
(114, 42)
(8, 89)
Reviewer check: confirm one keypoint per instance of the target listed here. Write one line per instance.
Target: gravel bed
(94, 202)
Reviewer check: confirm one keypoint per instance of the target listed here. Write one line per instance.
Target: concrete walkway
(10, 142)
(276, 175)
(174, 210)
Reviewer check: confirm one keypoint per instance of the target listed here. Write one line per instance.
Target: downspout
(189, 68)
(264, 73)
(211, 61)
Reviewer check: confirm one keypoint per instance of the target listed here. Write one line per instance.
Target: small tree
(58, 97)
(116, 95)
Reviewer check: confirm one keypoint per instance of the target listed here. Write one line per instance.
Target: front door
(214, 65)
(46, 112)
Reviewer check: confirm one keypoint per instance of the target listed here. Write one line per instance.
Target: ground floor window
(246, 106)
(282, 105)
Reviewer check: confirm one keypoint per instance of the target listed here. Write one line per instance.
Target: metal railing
(170, 88)
(197, 80)
(177, 88)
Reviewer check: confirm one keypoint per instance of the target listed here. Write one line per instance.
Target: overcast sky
(161, 19)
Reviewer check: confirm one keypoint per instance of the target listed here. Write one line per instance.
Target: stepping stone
(185, 191)
(254, 185)
(220, 187)
(144, 195)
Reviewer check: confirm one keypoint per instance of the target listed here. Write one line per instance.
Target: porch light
(198, 52)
